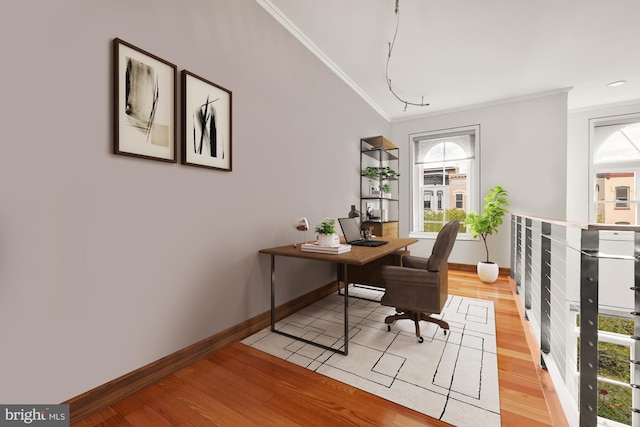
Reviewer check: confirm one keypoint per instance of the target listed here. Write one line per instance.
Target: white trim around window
(446, 162)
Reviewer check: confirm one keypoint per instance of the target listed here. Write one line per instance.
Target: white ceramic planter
(488, 271)
(331, 240)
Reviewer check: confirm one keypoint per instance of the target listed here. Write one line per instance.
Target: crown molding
(486, 104)
(590, 108)
(302, 38)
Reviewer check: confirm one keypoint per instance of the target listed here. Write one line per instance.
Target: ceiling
(462, 53)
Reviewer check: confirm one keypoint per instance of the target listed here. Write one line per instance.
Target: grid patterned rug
(451, 377)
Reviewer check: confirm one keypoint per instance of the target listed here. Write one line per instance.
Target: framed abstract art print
(144, 104)
(206, 123)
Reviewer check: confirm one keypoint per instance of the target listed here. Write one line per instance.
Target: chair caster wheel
(420, 340)
(388, 328)
(445, 331)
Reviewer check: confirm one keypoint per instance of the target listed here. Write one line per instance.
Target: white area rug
(451, 377)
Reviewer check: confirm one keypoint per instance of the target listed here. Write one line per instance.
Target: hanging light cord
(393, 42)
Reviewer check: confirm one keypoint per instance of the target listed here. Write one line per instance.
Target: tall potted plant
(487, 224)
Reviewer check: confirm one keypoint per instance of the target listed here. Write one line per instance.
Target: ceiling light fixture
(617, 83)
(393, 42)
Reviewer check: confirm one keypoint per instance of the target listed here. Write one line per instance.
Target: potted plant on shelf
(327, 235)
(385, 172)
(486, 224)
(388, 173)
(386, 190)
(371, 172)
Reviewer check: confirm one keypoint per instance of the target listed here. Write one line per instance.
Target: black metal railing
(580, 287)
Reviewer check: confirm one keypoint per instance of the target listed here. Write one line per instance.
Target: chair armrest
(415, 262)
(412, 289)
(392, 274)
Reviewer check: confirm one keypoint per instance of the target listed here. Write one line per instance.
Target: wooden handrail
(582, 225)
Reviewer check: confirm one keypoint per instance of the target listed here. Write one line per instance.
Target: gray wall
(523, 147)
(108, 262)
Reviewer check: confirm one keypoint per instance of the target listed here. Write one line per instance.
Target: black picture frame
(206, 123)
(144, 104)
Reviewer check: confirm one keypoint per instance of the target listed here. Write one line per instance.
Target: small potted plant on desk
(486, 224)
(327, 235)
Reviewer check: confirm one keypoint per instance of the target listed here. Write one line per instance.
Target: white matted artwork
(144, 104)
(206, 109)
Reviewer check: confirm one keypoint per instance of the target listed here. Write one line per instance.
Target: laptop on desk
(352, 235)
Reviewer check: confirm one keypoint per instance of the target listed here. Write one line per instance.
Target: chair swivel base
(416, 317)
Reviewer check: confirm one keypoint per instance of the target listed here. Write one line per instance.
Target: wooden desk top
(359, 255)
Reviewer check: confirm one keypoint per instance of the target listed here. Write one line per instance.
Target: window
(444, 178)
(622, 197)
(615, 167)
(459, 201)
(427, 200)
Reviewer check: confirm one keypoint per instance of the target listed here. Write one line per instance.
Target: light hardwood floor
(241, 386)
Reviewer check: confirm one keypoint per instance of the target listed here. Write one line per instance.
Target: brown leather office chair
(420, 287)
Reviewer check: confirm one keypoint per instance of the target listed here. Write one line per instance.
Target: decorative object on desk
(206, 123)
(327, 235)
(453, 378)
(314, 247)
(144, 105)
(301, 224)
(486, 224)
(367, 233)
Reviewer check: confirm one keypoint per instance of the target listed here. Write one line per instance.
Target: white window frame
(416, 181)
(620, 166)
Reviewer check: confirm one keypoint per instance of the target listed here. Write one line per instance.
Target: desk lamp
(354, 213)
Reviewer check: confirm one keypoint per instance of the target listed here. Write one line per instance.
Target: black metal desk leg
(273, 292)
(346, 308)
(273, 314)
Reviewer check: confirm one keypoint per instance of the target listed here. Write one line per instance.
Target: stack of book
(314, 247)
